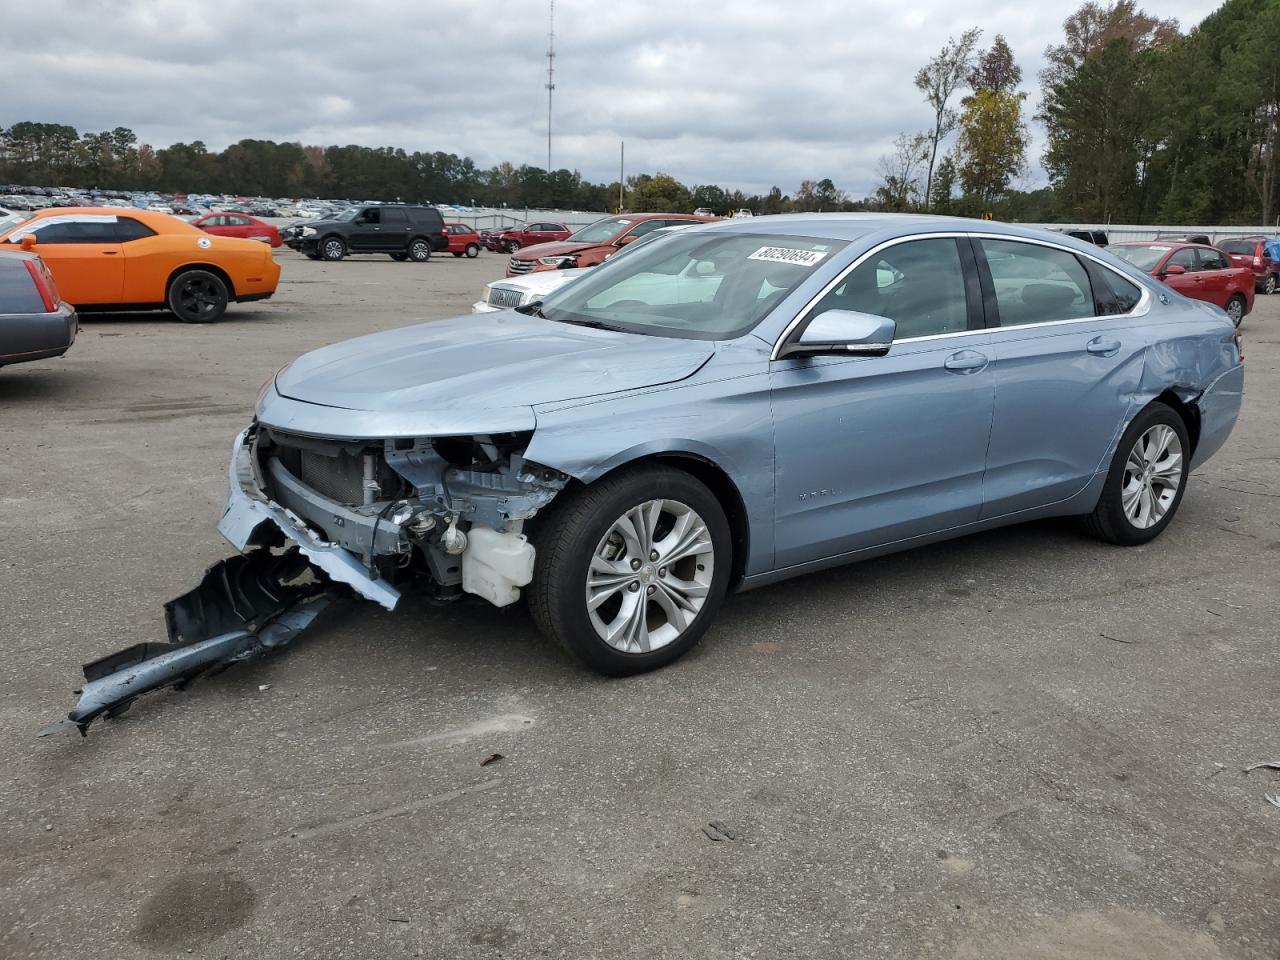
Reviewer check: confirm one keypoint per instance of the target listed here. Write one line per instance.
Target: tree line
(1144, 123)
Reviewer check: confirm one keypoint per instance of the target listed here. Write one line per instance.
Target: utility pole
(622, 167)
(551, 75)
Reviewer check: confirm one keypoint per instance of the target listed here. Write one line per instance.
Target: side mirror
(843, 332)
(28, 241)
(623, 241)
(1173, 269)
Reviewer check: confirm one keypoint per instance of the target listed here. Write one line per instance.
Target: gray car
(35, 323)
(741, 403)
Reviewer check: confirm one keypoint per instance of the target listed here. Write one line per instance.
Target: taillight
(1257, 261)
(44, 283)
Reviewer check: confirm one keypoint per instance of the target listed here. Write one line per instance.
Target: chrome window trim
(1140, 309)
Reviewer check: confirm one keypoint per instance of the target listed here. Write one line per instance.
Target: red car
(238, 225)
(1256, 254)
(1195, 270)
(513, 239)
(462, 239)
(593, 243)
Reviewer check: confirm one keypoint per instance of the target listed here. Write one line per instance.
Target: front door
(1189, 283)
(366, 231)
(876, 450)
(82, 252)
(1066, 363)
(1215, 271)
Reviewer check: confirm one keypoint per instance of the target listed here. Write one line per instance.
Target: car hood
(557, 248)
(498, 361)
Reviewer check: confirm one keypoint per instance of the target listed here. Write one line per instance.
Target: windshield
(347, 214)
(1143, 257)
(1238, 246)
(601, 230)
(697, 285)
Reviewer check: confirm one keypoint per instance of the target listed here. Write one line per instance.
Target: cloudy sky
(744, 93)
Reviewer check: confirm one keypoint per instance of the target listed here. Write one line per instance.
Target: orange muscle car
(108, 258)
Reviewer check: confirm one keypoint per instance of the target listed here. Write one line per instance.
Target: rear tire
(419, 250)
(1235, 309)
(1269, 285)
(472, 250)
(333, 249)
(1146, 481)
(198, 296)
(655, 606)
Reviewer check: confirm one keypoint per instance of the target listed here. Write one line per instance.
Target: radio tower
(551, 75)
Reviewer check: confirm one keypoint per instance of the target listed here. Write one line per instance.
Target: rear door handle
(109, 253)
(966, 361)
(1103, 346)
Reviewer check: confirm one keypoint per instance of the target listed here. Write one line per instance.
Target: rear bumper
(37, 336)
(1219, 406)
(248, 508)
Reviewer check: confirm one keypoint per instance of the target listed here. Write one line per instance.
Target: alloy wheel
(1152, 476)
(1270, 286)
(649, 576)
(333, 249)
(200, 296)
(1235, 310)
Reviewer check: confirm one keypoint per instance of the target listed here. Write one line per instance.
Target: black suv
(405, 231)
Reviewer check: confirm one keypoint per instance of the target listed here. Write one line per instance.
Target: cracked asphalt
(1022, 744)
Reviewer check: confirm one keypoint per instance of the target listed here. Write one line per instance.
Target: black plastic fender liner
(244, 605)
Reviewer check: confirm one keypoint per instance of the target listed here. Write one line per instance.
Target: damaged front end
(312, 517)
(374, 513)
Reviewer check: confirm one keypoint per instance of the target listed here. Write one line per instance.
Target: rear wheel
(631, 570)
(473, 250)
(1235, 309)
(1269, 285)
(198, 296)
(419, 250)
(332, 248)
(1146, 481)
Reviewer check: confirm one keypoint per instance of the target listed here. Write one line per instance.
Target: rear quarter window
(18, 293)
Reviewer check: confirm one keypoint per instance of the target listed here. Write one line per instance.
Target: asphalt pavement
(1021, 744)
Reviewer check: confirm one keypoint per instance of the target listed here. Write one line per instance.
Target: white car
(519, 291)
(8, 218)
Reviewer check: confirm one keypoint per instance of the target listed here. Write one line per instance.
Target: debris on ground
(245, 605)
(1273, 799)
(1268, 764)
(1116, 639)
(491, 758)
(717, 831)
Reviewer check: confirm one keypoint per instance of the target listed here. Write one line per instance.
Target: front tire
(419, 251)
(512, 246)
(332, 249)
(631, 570)
(198, 296)
(1146, 481)
(1235, 309)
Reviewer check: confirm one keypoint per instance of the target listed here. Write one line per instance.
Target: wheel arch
(213, 268)
(716, 479)
(1186, 408)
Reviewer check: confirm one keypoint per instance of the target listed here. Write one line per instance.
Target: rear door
(1066, 363)
(1217, 276)
(82, 253)
(394, 232)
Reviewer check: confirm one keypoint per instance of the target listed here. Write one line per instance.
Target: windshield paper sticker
(801, 258)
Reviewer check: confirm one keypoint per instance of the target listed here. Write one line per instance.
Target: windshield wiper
(535, 310)
(532, 310)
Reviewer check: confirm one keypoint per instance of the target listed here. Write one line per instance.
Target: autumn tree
(992, 147)
(939, 80)
(900, 170)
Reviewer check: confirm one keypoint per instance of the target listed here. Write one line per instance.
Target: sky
(742, 93)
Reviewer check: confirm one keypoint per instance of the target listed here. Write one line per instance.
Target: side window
(393, 218)
(648, 226)
(1036, 284)
(918, 284)
(371, 215)
(218, 221)
(1112, 293)
(238, 221)
(1185, 258)
(128, 229)
(1211, 259)
(96, 230)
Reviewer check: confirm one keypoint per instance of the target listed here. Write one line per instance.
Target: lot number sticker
(801, 258)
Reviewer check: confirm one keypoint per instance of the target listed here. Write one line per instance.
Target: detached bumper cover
(248, 507)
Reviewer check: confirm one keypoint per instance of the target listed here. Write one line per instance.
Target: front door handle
(1103, 346)
(109, 253)
(966, 361)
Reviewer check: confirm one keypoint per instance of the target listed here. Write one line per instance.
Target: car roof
(17, 255)
(149, 217)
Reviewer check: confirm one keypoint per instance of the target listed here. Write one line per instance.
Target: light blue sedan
(733, 405)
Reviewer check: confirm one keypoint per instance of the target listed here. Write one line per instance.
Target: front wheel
(332, 248)
(512, 246)
(631, 570)
(1146, 481)
(419, 251)
(1235, 309)
(198, 296)
(473, 250)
